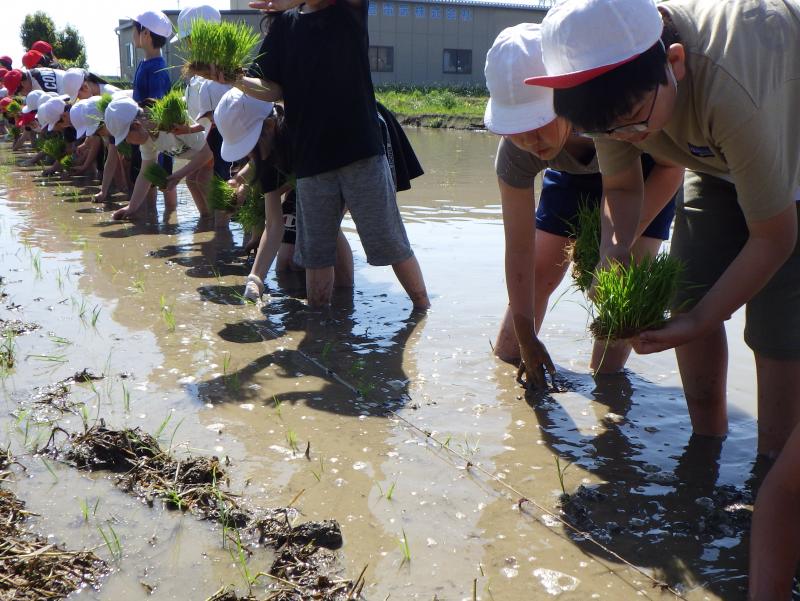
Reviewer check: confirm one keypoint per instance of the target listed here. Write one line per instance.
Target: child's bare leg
(410, 277)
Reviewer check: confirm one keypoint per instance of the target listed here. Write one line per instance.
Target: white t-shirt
(49, 80)
(184, 146)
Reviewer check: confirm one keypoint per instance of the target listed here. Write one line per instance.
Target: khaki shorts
(710, 231)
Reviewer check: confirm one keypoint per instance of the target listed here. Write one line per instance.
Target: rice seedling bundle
(55, 148)
(586, 246)
(169, 111)
(252, 213)
(156, 175)
(103, 103)
(14, 108)
(67, 162)
(125, 150)
(629, 299)
(227, 46)
(15, 132)
(221, 195)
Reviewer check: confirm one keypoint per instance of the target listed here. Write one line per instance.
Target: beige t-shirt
(737, 113)
(183, 145)
(518, 168)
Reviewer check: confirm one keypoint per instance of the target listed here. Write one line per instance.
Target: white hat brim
(239, 150)
(516, 119)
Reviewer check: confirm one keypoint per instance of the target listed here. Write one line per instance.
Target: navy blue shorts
(563, 193)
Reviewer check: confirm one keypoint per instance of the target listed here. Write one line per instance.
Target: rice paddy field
(166, 440)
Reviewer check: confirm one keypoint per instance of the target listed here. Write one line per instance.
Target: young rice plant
(156, 175)
(227, 46)
(169, 111)
(586, 246)
(634, 298)
(221, 195)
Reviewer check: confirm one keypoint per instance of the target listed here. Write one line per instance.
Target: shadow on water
(346, 347)
(659, 486)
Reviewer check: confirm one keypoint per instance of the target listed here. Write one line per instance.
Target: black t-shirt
(270, 176)
(320, 60)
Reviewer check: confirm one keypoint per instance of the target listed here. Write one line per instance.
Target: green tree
(70, 48)
(38, 26)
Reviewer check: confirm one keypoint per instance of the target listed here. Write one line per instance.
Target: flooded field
(446, 481)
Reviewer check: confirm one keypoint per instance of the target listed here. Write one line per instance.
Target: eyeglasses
(633, 128)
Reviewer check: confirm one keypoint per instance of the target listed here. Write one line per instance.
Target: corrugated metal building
(420, 42)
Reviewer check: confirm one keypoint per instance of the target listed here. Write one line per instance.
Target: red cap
(12, 80)
(3, 72)
(32, 58)
(26, 118)
(42, 47)
(4, 102)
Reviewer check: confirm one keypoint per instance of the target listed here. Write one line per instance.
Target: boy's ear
(676, 56)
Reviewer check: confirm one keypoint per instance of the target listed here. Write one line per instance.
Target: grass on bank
(630, 299)
(469, 102)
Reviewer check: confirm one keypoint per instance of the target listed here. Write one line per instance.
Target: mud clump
(305, 567)
(31, 568)
(16, 327)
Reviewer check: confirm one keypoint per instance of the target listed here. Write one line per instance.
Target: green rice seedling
(95, 315)
(291, 439)
(49, 358)
(49, 469)
(59, 340)
(67, 163)
(138, 284)
(112, 541)
(586, 246)
(405, 549)
(390, 492)
(126, 398)
(168, 111)
(634, 298)
(162, 426)
(560, 472)
(167, 314)
(226, 46)
(156, 175)
(7, 353)
(15, 132)
(252, 213)
(221, 195)
(103, 103)
(125, 150)
(55, 148)
(173, 499)
(84, 509)
(36, 262)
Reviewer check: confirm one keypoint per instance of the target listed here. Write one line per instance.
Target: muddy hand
(535, 360)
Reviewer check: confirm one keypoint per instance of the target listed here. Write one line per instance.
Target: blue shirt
(151, 79)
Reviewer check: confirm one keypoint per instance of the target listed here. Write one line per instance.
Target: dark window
(381, 59)
(457, 61)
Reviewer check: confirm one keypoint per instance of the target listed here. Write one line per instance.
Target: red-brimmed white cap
(583, 39)
(513, 107)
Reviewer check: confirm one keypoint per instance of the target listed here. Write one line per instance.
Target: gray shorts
(710, 231)
(367, 190)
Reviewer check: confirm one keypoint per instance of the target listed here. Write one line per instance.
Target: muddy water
(252, 382)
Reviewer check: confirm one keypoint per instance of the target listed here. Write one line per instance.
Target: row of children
(248, 140)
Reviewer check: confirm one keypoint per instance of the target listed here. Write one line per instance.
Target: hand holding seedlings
(678, 330)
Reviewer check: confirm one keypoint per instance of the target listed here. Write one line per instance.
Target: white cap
(50, 111)
(86, 117)
(209, 96)
(582, 39)
(156, 21)
(35, 99)
(72, 82)
(513, 107)
(3, 93)
(190, 14)
(239, 119)
(120, 113)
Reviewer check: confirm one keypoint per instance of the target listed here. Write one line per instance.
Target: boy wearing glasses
(714, 87)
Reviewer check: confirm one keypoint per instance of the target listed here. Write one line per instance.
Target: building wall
(414, 32)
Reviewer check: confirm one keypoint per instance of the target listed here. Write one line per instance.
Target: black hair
(6, 64)
(280, 153)
(159, 41)
(92, 78)
(600, 102)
